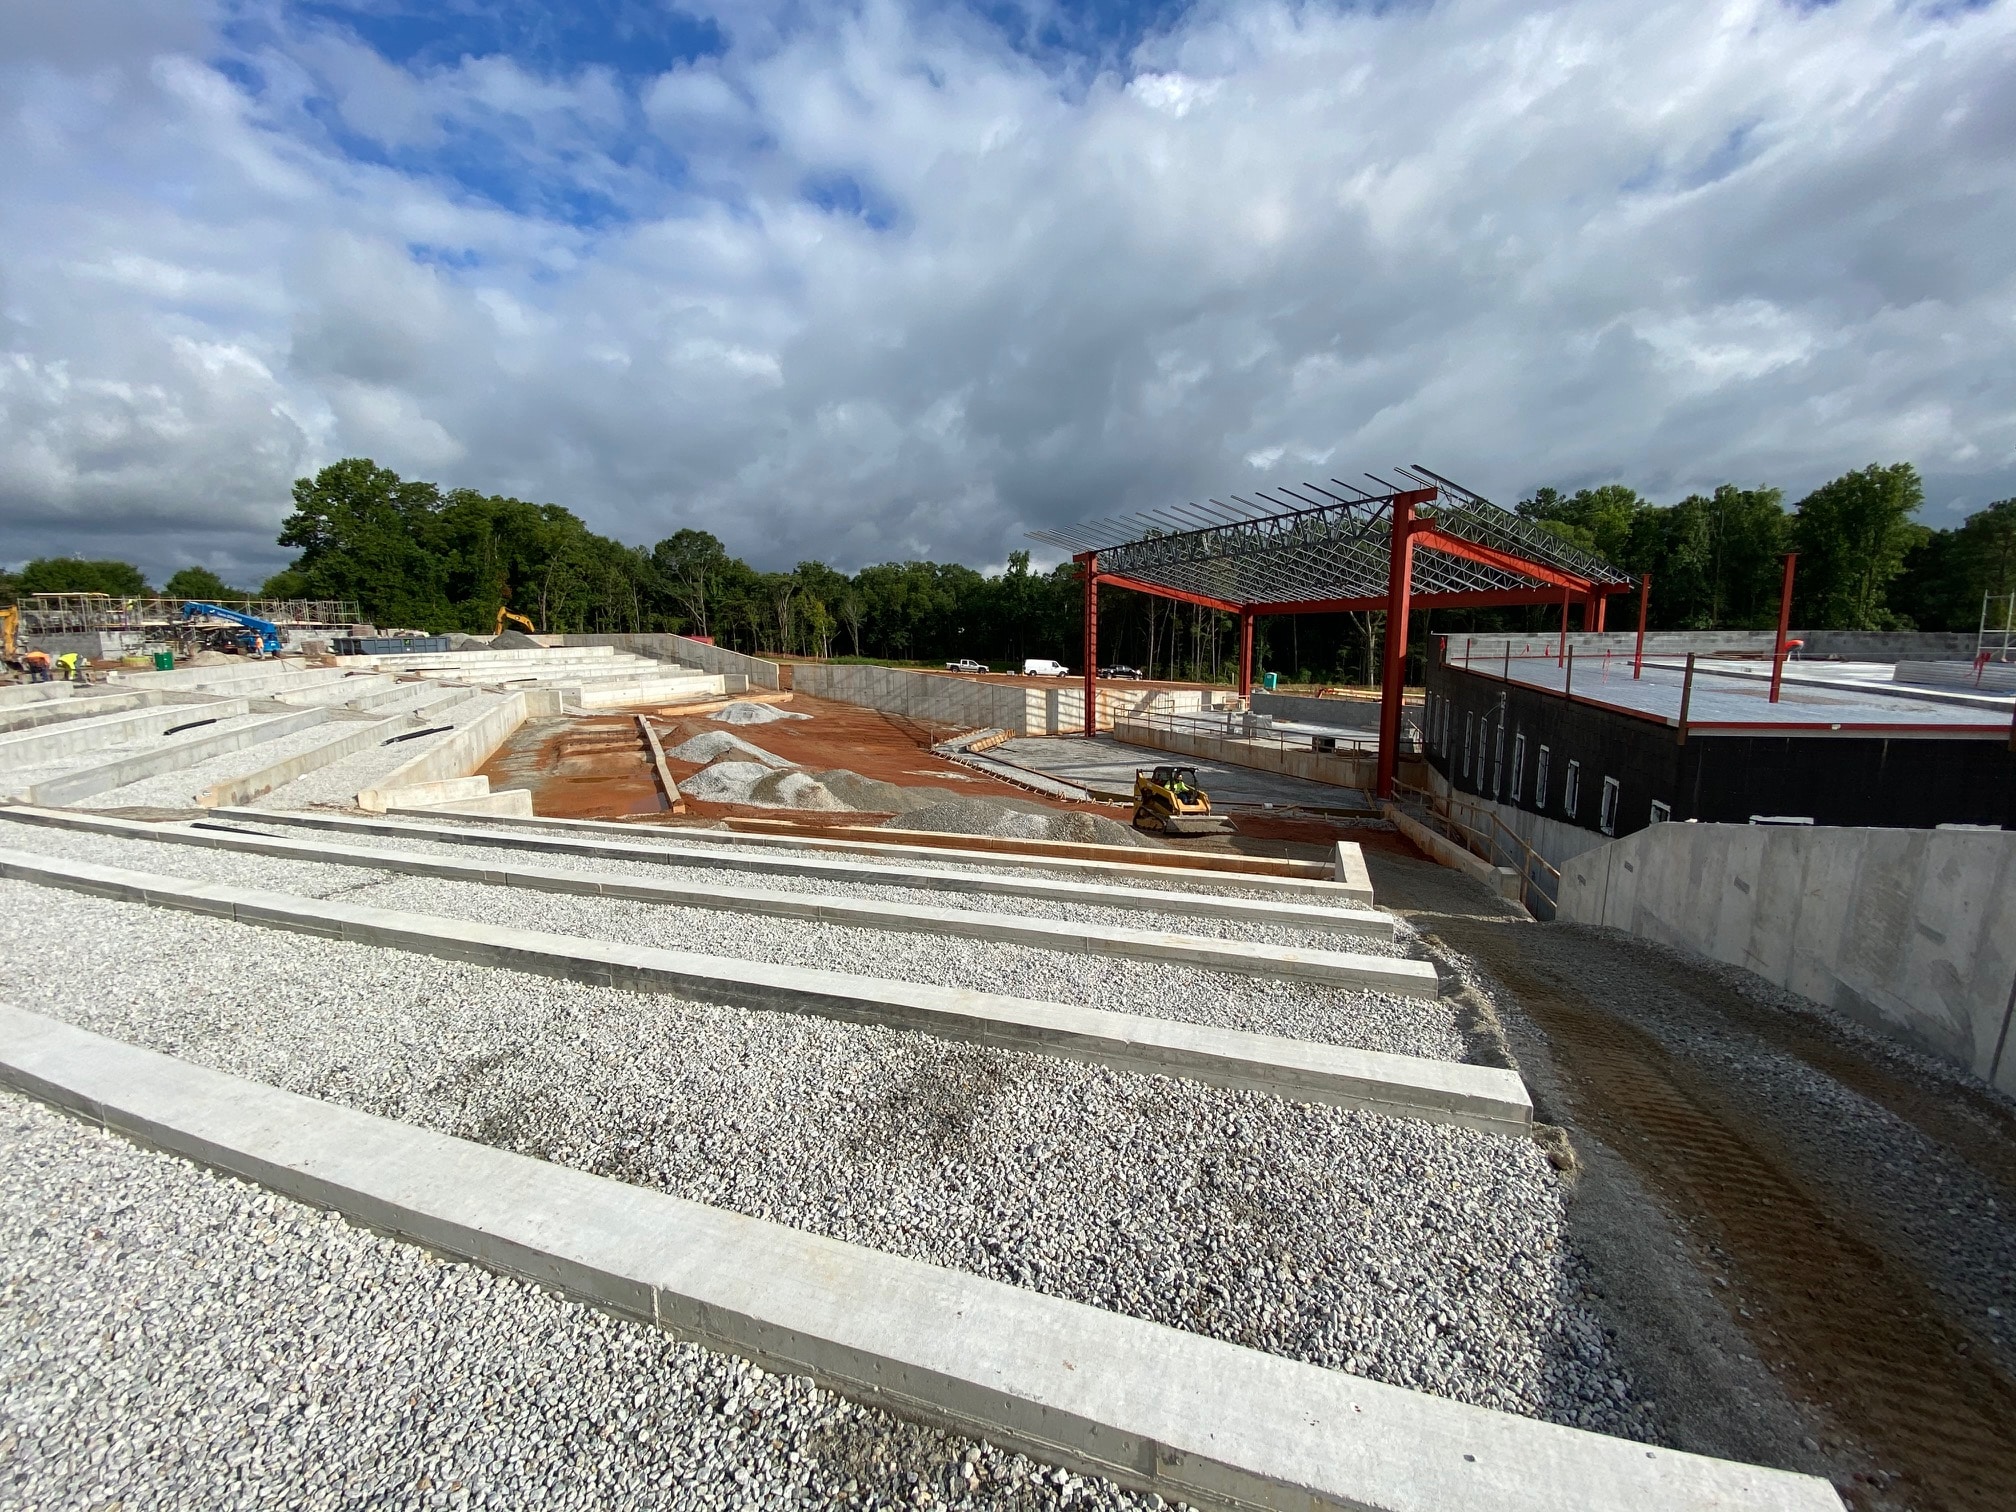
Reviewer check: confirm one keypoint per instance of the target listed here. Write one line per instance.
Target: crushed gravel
(181, 789)
(341, 781)
(1416, 1254)
(712, 743)
(170, 1339)
(1268, 1005)
(16, 780)
(742, 712)
(758, 786)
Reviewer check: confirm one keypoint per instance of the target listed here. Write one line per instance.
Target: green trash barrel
(164, 661)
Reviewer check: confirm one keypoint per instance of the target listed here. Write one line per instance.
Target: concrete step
(1341, 969)
(552, 839)
(1186, 1417)
(1400, 1086)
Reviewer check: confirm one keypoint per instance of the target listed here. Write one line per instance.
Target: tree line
(413, 555)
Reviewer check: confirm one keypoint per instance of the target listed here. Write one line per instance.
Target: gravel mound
(1419, 1255)
(872, 795)
(1016, 819)
(171, 1339)
(758, 786)
(715, 743)
(744, 713)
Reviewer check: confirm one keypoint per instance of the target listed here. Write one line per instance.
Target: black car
(1133, 672)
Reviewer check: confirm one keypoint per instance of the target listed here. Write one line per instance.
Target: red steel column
(1602, 609)
(1089, 563)
(1644, 603)
(1246, 653)
(1784, 626)
(1561, 651)
(1399, 585)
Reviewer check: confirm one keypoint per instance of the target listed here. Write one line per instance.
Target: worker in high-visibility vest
(67, 665)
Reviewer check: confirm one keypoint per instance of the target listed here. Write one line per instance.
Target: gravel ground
(1269, 1005)
(180, 789)
(17, 780)
(890, 892)
(340, 782)
(1416, 1254)
(170, 1338)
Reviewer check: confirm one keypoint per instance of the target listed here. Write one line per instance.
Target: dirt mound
(742, 712)
(1014, 819)
(872, 795)
(716, 743)
(759, 786)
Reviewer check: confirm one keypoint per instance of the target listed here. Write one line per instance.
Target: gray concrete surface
(1152, 1408)
(1477, 1097)
(187, 751)
(1106, 765)
(78, 737)
(1911, 933)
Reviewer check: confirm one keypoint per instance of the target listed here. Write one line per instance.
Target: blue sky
(869, 280)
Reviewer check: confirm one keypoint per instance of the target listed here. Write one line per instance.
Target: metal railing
(1485, 835)
(58, 613)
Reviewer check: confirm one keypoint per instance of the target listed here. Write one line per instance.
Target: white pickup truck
(965, 664)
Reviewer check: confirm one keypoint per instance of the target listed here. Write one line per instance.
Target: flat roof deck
(1736, 696)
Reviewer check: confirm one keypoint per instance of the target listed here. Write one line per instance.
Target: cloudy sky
(859, 281)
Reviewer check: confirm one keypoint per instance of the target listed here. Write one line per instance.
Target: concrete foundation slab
(1475, 1097)
(172, 758)
(79, 736)
(1151, 1407)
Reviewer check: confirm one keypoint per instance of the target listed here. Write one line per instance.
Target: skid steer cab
(1168, 801)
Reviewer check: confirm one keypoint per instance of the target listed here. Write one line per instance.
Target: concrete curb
(460, 754)
(1399, 1086)
(1297, 914)
(667, 788)
(1404, 978)
(511, 802)
(13, 695)
(279, 773)
(1148, 1406)
(76, 736)
(174, 758)
(1323, 888)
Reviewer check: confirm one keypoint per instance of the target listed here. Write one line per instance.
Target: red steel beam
(1115, 580)
(1504, 561)
(1784, 627)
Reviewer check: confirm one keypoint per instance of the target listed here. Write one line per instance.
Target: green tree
(689, 565)
(1596, 519)
(1947, 573)
(199, 583)
(367, 534)
(1853, 535)
(75, 575)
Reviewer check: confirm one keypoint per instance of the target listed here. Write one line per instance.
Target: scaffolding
(1424, 543)
(78, 613)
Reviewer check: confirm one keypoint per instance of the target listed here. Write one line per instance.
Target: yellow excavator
(1169, 801)
(10, 629)
(504, 614)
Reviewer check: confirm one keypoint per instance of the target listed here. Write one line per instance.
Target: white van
(1035, 666)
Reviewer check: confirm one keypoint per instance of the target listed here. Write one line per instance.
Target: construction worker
(67, 665)
(37, 663)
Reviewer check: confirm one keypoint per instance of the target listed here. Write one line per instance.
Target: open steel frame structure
(1424, 542)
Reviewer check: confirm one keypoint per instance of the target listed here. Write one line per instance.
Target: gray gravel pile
(180, 789)
(758, 786)
(710, 744)
(872, 795)
(1267, 1005)
(1411, 1253)
(173, 1339)
(340, 782)
(1014, 818)
(742, 712)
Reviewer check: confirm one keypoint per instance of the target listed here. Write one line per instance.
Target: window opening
(1540, 779)
(1518, 765)
(1469, 722)
(1571, 790)
(1607, 819)
(1661, 812)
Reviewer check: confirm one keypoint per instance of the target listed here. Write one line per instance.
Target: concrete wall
(1911, 933)
(1556, 841)
(1348, 769)
(457, 756)
(678, 648)
(1846, 645)
(973, 703)
(1343, 713)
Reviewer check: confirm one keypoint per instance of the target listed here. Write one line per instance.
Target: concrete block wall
(1911, 933)
(687, 652)
(1056, 709)
(1349, 769)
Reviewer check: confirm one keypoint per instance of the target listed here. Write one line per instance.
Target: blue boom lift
(260, 637)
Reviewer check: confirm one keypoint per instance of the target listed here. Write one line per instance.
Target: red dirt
(592, 768)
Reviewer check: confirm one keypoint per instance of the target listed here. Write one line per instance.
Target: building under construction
(105, 627)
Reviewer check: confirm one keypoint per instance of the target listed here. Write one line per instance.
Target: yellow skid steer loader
(1169, 801)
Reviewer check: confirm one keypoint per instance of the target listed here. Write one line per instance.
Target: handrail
(1539, 879)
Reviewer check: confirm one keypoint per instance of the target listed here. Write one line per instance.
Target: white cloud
(887, 286)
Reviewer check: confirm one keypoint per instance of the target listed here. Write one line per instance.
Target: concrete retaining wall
(1911, 933)
(1994, 677)
(180, 756)
(1348, 769)
(678, 648)
(1556, 841)
(457, 756)
(13, 695)
(74, 737)
(360, 737)
(974, 703)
